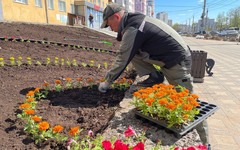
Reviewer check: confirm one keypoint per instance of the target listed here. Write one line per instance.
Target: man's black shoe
(154, 78)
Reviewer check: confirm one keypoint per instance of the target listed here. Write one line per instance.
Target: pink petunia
(90, 133)
(70, 141)
(201, 147)
(129, 132)
(107, 145)
(139, 146)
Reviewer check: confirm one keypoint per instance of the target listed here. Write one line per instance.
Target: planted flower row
(57, 62)
(42, 131)
(21, 39)
(163, 102)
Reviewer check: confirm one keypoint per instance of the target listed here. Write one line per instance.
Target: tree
(176, 27)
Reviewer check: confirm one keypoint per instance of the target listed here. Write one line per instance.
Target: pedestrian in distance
(146, 41)
(91, 20)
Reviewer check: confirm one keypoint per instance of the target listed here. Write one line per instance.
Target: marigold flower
(57, 81)
(25, 106)
(124, 79)
(1, 59)
(56, 58)
(62, 59)
(36, 118)
(20, 58)
(30, 100)
(194, 96)
(102, 80)
(79, 79)
(149, 101)
(186, 90)
(90, 80)
(194, 103)
(121, 82)
(57, 128)
(136, 94)
(163, 101)
(11, 58)
(190, 99)
(73, 131)
(74, 60)
(30, 93)
(187, 107)
(43, 126)
(171, 106)
(68, 79)
(159, 94)
(169, 86)
(48, 59)
(143, 96)
(37, 89)
(185, 117)
(29, 111)
(45, 84)
(28, 58)
(130, 81)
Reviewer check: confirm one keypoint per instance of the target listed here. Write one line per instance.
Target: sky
(183, 11)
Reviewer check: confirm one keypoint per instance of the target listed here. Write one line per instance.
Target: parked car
(199, 32)
(229, 33)
(214, 32)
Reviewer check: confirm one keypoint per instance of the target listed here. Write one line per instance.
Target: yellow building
(53, 11)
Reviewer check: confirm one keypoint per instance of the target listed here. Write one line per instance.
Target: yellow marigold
(36, 118)
(57, 128)
(194, 96)
(57, 81)
(163, 101)
(20, 58)
(11, 58)
(30, 100)
(68, 79)
(45, 84)
(56, 58)
(74, 60)
(187, 107)
(79, 79)
(171, 106)
(28, 58)
(1, 59)
(48, 59)
(43, 126)
(30, 93)
(73, 131)
(37, 89)
(102, 80)
(62, 59)
(29, 111)
(90, 80)
(26, 105)
(136, 94)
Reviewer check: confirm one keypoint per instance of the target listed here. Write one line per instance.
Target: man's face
(113, 22)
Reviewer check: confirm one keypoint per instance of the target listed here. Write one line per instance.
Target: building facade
(63, 12)
(150, 8)
(162, 16)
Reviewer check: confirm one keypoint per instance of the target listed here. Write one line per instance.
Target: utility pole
(203, 14)
(46, 10)
(206, 21)
(193, 25)
(189, 26)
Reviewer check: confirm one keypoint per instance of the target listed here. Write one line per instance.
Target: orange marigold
(30, 99)
(79, 79)
(163, 101)
(37, 89)
(25, 106)
(45, 84)
(190, 99)
(194, 103)
(149, 101)
(36, 118)
(143, 96)
(43, 126)
(185, 117)
(29, 111)
(171, 106)
(57, 128)
(136, 94)
(130, 81)
(73, 131)
(90, 80)
(121, 82)
(187, 107)
(186, 90)
(102, 80)
(57, 81)
(30, 93)
(68, 79)
(194, 96)
(124, 79)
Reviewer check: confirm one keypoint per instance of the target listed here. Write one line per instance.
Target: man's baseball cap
(109, 11)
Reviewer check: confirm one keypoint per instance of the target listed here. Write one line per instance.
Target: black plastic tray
(205, 108)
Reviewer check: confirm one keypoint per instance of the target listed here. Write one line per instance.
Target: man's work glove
(103, 87)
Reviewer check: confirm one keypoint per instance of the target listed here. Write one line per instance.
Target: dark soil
(86, 108)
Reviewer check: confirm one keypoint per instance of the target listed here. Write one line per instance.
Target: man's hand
(103, 87)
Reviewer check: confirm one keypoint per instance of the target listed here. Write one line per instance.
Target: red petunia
(129, 132)
(107, 145)
(118, 145)
(139, 146)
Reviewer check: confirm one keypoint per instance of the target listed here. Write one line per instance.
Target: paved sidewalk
(221, 89)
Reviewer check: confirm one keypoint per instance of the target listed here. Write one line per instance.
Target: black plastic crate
(205, 110)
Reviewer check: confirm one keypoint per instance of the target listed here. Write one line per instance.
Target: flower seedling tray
(205, 110)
